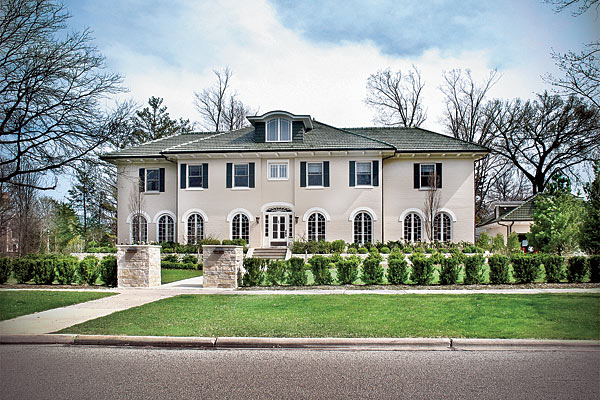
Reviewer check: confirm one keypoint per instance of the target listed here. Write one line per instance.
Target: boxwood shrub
(275, 274)
(23, 269)
(5, 269)
(498, 264)
(108, 270)
(254, 275)
(372, 271)
(526, 267)
(450, 269)
(65, 268)
(347, 269)
(474, 269)
(43, 270)
(422, 269)
(397, 272)
(594, 263)
(88, 270)
(577, 269)
(296, 273)
(554, 266)
(319, 267)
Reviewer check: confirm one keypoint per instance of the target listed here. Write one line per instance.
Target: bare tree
(136, 208)
(547, 136)
(583, 5)
(397, 97)
(235, 113)
(26, 226)
(52, 88)
(431, 207)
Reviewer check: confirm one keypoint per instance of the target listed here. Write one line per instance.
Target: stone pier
(221, 267)
(138, 265)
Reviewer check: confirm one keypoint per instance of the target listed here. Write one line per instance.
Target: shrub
(88, 270)
(484, 241)
(296, 274)
(169, 264)
(472, 249)
(474, 269)
(319, 266)
(594, 264)
(422, 269)
(23, 269)
(276, 272)
(254, 275)
(437, 258)
(43, 270)
(189, 259)
(338, 246)
(498, 243)
(577, 268)
(450, 271)
(397, 272)
(5, 269)
(498, 268)
(173, 258)
(347, 270)
(526, 268)
(384, 250)
(554, 267)
(351, 250)
(65, 270)
(362, 250)
(372, 271)
(108, 270)
(512, 244)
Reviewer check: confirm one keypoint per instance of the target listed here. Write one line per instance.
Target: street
(81, 372)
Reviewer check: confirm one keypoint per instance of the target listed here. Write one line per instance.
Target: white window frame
(316, 222)
(440, 233)
(356, 173)
(421, 176)
(146, 190)
(174, 228)
(233, 176)
(279, 163)
(278, 130)
(189, 175)
(308, 174)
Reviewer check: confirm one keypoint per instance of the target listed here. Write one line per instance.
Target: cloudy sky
(313, 57)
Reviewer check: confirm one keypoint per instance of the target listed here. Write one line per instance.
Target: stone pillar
(138, 265)
(222, 265)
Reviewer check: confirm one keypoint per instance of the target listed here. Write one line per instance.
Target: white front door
(279, 229)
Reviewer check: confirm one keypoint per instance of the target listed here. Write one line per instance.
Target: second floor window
(152, 180)
(195, 176)
(277, 170)
(279, 130)
(315, 174)
(363, 173)
(427, 175)
(240, 175)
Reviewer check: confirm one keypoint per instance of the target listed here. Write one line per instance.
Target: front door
(279, 233)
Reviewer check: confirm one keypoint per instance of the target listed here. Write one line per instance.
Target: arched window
(316, 226)
(442, 227)
(139, 229)
(240, 227)
(412, 227)
(363, 228)
(166, 229)
(195, 228)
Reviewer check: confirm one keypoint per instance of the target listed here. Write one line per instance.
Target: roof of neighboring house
(524, 212)
(321, 137)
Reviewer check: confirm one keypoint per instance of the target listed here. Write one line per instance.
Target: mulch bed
(587, 285)
(33, 286)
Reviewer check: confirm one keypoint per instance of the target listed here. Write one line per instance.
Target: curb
(397, 344)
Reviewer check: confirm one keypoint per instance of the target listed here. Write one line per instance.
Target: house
(509, 217)
(288, 177)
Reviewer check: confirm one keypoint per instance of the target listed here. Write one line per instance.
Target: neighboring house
(509, 217)
(288, 177)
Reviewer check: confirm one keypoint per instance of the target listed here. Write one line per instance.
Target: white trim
(271, 162)
(233, 185)
(320, 211)
(265, 206)
(449, 212)
(411, 210)
(191, 211)
(322, 185)
(356, 185)
(278, 119)
(163, 212)
(316, 209)
(240, 210)
(133, 214)
(365, 209)
(187, 177)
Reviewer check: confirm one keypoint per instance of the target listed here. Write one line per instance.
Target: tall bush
(319, 266)
(108, 270)
(347, 269)
(513, 245)
(338, 246)
(594, 263)
(372, 271)
(254, 275)
(422, 269)
(397, 272)
(526, 267)
(474, 269)
(484, 241)
(5, 269)
(65, 269)
(577, 269)
(498, 243)
(88, 270)
(449, 271)
(43, 270)
(554, 267)
(296, 274)
(498, 264)
(23, 269)
(276, 272)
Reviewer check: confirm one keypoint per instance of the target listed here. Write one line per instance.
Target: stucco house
(288, 177)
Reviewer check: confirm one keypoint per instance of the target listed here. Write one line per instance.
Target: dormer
(280, 127)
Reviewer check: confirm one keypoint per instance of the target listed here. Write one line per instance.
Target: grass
(173, 275)
(543, 316)
(22, 302)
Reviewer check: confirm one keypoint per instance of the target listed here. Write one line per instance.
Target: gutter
(508, 229)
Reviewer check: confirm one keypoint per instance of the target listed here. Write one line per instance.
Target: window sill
(427, 189)
(364, 187)
(278, 179)
(315, 187)
(193, 189)
(240, 188)
(152, 192)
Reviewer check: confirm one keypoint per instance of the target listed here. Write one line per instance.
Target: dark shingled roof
(523, 212)
(322, 137)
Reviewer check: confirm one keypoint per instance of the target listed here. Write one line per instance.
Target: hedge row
(525, 269)
(45, 269)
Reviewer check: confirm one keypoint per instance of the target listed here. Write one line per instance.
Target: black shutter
(251, 174)
(142, 187)
(229, 174)
(376, 173)
(326, 173)
(161, 180)
(182, 176)
(417, 176)
(352, 175)
(303, 174)
(438, 175)
(205, 176)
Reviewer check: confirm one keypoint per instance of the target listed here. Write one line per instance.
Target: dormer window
(279, 130)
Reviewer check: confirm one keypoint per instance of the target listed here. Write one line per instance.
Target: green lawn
(22, 302)
(544, 316)
(172, 275)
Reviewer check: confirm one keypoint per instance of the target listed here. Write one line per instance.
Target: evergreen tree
(153, 122)
(590, 230)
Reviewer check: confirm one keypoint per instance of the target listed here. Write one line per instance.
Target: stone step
(271, 253)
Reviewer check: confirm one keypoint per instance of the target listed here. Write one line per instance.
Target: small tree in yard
(431, 206)
(590, 229)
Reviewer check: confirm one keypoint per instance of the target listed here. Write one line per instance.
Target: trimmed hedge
(347, 269)
(372, 271)
(296, 274)
(23, 269)
(422, 269)
(554, 267)
(5, 269)
(449, 271)
(594, 263)
(498, 264)
(179, 265)
(65, 270)
(319, 267)
(526, 268)
(43, 270)
(275, 274)
(88, 270)
(397, 272)
(108, 270)
(576, 269)
(254, 275)
(474, 269)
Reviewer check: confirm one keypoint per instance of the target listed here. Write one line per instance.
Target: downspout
(382, 197)
(508, 229)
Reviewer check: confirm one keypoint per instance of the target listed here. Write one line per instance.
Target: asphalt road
(78, 372)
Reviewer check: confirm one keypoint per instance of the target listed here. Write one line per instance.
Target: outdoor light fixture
(257, 219)
(296, 218)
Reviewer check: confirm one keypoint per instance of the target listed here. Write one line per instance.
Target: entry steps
(270, 253)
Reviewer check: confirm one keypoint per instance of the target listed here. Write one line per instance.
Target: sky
(314, 57)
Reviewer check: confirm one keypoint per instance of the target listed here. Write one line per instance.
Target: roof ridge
(526, 201)
(210, 135)
(359, 135)
(455, 138)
